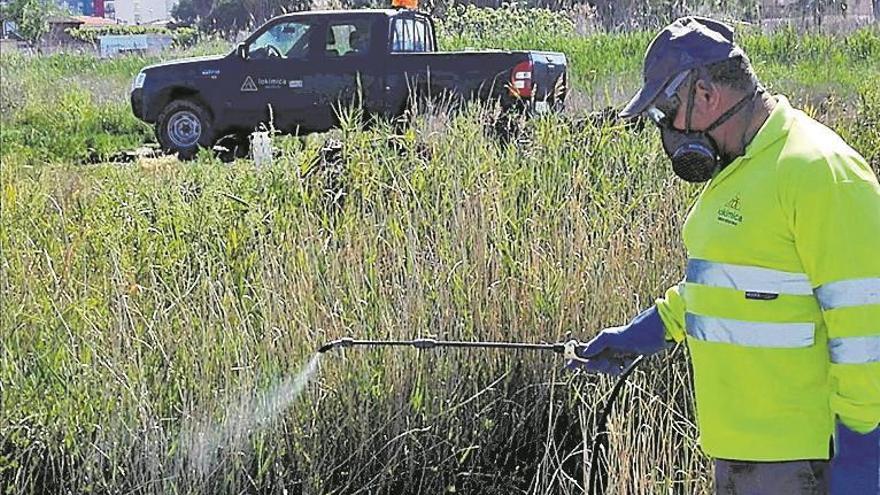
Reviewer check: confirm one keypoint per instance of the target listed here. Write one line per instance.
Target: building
(59, 25)
(139, 11)
(58, 34)
(124, 11)
(83, 7)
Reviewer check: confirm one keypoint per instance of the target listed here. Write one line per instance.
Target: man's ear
(707, 93)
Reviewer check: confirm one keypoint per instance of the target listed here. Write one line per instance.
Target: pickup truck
(298, 69)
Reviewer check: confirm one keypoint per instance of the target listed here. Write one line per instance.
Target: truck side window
(283, 40)
(411, 35)
(427, 40)
(419, 37)
(403, 36)
(348, 38)
(397, 36)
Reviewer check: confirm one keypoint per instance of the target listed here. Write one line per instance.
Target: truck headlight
(139, 79)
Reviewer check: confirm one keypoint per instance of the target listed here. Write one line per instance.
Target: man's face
(674, 103)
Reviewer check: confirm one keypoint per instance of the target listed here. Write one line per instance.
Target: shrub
(182, 36)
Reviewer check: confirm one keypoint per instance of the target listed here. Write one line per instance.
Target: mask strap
(734, 109)
(692, 90)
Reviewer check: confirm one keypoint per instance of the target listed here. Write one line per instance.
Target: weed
(142, 301)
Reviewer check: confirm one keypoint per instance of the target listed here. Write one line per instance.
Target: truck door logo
(248, 85)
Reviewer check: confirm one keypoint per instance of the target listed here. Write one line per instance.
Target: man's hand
(615, 348)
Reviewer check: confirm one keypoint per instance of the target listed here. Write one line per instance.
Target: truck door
(350, 71)
(273, 81)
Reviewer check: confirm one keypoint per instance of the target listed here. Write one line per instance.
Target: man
(780, 305)
(357, 42)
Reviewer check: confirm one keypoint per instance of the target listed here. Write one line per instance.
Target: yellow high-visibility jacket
(780, 306)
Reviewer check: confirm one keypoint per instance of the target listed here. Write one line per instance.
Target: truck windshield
(288, 39)
(411, 35)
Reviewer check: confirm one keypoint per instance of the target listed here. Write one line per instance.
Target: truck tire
(183, 126)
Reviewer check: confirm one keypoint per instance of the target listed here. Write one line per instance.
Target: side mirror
(241, 50)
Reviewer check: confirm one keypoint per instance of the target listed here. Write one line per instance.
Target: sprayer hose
(598, 471)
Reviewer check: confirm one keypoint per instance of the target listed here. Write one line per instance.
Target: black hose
(599, 470)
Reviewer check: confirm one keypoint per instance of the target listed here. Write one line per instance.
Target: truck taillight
(521, 79)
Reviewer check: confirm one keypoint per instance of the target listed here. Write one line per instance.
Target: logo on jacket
(248, 85)
(730, 213)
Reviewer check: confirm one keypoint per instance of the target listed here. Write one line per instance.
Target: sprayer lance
(567, 349)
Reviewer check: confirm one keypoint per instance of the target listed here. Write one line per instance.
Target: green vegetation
(227, 17)
(604, 71)
(182, 36)
(143, 301)
(65, 108)
(145, 306)
(31, 16)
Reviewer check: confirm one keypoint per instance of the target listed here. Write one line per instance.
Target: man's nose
(680, 120)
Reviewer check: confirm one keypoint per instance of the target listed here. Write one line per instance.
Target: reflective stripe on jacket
(781, 302)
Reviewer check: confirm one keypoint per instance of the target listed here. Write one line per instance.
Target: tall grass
(146, 307)
(146, 299)
(74, 107)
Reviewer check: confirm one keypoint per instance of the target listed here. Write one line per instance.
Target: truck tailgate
(547, 68)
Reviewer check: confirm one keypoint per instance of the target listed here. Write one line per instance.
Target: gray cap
(687, 43)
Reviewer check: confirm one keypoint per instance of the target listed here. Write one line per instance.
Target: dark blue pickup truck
(297, 69)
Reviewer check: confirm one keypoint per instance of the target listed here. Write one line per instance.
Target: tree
(203, 7)
(31, 17)
(185, 12)
(227, 17)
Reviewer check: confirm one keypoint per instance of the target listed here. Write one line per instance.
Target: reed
(155, 315)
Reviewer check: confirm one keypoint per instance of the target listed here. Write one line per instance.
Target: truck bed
(482, 75)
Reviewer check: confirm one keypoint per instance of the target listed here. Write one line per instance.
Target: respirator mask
(694, 154)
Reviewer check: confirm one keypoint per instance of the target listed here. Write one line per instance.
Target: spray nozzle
(326, 347)
(343, 342)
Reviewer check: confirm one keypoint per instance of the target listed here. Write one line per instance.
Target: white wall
(143, 11)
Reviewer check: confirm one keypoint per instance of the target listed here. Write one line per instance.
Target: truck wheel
(182, 127)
